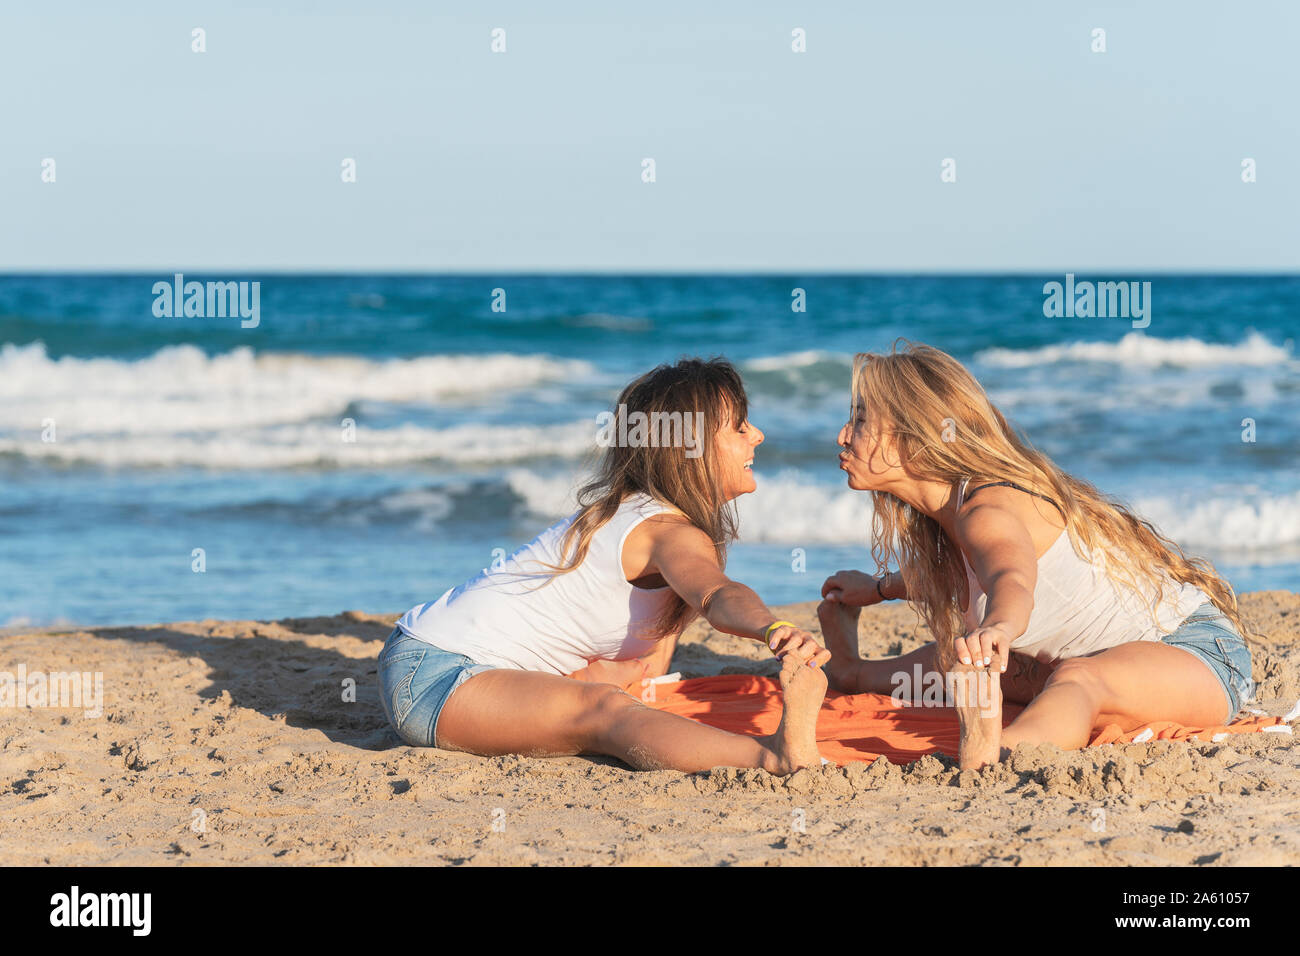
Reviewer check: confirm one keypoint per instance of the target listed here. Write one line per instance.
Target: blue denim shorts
(415, 680)
(1208, 634)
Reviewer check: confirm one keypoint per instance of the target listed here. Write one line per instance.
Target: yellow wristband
(767, 634)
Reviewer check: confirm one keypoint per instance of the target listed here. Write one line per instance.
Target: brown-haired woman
(1034, 585)
(529, 657)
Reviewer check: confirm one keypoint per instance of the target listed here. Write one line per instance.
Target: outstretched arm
(685, 557)
(1001, 555)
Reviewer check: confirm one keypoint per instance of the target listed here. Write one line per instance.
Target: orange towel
(853, 727)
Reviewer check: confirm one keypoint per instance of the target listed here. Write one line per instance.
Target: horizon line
(323, 272)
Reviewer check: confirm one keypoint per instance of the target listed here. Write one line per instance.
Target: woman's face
(864, 458)
(735, 447)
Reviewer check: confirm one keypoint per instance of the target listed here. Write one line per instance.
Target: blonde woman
(1035, 585)
(529, 657)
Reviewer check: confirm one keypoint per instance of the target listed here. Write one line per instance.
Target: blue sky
(766, 160)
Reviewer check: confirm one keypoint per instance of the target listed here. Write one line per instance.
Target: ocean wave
(1248, 522)
(181, 389)
(788, 508)
(794, 360)
(546, 496)
(1136, 349)
(314, 445)
(808, 377)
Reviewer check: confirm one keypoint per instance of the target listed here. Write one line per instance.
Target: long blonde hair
(947, 429)
(710, 392)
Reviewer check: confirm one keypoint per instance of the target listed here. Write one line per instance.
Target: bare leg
(615, 673)
(1024, 679)
(849, 673)
(1130, 685)
(840, 632)
(504, 711)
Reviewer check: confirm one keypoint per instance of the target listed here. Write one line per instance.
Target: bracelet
(767, 632)
(879, 581)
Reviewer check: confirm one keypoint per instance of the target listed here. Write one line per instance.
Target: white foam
(180, 406)
(289, 446)
(180, 388)
(788, 360)
(430, 505)
(1138, 349)
(550, 496)
(788, 509)
(1241, 522)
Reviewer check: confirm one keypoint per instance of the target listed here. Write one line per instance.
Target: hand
(799, 644)
(985, 647)
(851, 587)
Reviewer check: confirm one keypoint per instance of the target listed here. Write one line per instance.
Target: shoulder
(984, 497)
(645, 505)
(669, 541)
(651, 513)
(670, 525)
(1029, 505)
(997, 514)
(671, 533)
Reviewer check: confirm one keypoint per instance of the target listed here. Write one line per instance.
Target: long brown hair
(711, 390)
(947, 429)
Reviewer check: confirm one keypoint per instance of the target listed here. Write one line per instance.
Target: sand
(231, 742)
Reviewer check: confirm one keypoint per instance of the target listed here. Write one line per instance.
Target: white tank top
(1079, 610)
(509, 616)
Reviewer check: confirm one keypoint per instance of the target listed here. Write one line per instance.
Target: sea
(372, 440)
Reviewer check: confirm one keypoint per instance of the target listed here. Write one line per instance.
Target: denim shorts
(1208, 634)
(415, 680)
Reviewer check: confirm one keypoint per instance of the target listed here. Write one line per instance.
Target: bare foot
(840, 632)
(977, 693)
(795, 741)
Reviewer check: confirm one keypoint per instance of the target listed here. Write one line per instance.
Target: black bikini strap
(1012, 484)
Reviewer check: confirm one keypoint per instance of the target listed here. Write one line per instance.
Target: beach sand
(231, 742)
